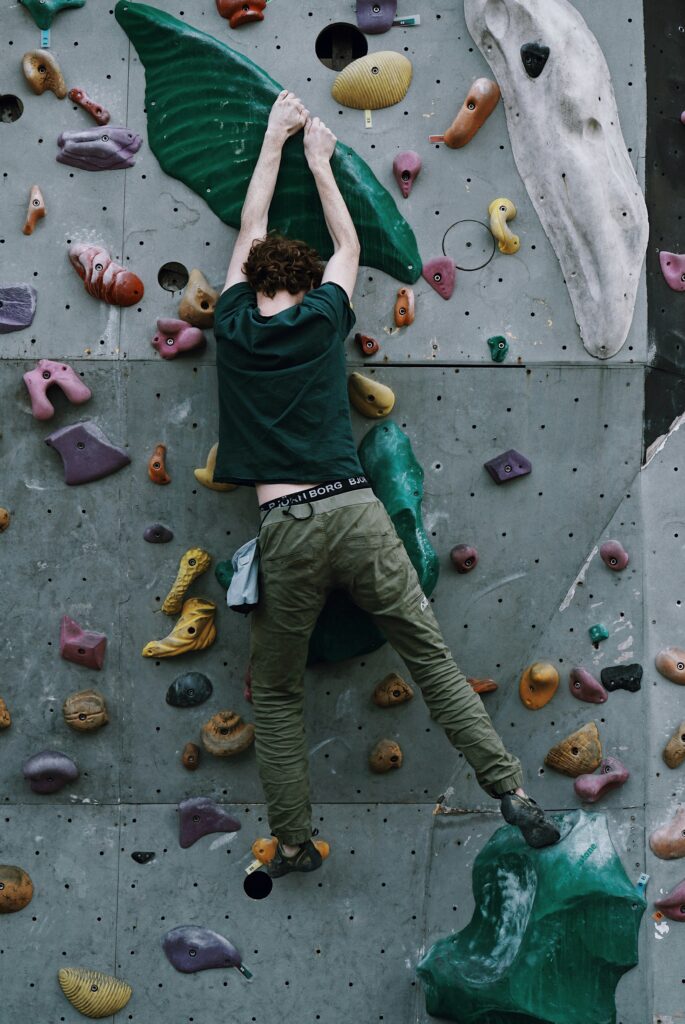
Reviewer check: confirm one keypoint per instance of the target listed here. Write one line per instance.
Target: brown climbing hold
(674, 751)
(205, 475)
(85, 710)
(156, 466)
(385, 756)
(198, 301)
(404, 307)
(668, 842)
(538, 684)
(194, 631)
(481, 685)
(193, 563)
(5, 717)
(671, 663)
(4, 519)
(241, 12)
(482, 98)
(225, 734)
(43, 74)
(190, 758)
(16, 889)
(368, 346)
(392, 689)
(36, 210)
(579, 754)
(83, 100)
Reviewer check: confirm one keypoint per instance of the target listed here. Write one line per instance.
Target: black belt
(351, 483)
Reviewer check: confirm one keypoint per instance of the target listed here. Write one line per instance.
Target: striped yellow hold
(375, 81)
(93, 993)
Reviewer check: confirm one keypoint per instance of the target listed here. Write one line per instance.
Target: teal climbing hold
(552, 932)
(499, 346)
(43, 11)
(598, 633)
(224, 573)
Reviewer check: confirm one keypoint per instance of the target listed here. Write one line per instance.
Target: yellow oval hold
(93, 993)
(370, 397)
(375, 81)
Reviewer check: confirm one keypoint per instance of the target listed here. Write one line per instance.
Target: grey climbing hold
(17, 307)
(189, 690)
(49, 771)
(86, 452)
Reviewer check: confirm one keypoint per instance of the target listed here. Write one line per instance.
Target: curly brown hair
(277, 262)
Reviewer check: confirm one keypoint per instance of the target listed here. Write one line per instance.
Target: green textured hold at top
(43, 11)
(552, 932)
(207, 110)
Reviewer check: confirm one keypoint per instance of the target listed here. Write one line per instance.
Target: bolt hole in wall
(339, 44)
(172, 276)
(11, 108)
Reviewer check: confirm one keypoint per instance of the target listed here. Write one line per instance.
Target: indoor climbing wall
(112, 868)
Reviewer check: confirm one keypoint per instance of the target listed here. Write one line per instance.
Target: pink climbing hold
(612, 774)
(406, 167)
(44, 375)
(682, 117)
(614, 555)
(673, 269)
(81, 646)
(672, 905)
(176, 336)
(584, 686)
(441, 274)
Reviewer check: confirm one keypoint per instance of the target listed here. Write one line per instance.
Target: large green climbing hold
(207, 109)
(552, 932)
(43, 11)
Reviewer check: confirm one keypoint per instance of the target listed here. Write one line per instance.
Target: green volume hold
(43, 11)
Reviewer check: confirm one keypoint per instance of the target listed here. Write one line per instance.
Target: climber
(284, 427)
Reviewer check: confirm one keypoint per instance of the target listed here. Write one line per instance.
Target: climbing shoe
(307, 858)
(529, 817)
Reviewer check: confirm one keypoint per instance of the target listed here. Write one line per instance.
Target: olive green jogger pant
(348, 542)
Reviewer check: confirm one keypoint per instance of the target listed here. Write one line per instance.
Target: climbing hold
(622, 677)
(194, 631)
(392, 690)
(156, 466)
(190, 949)
(674, 751)
(225, 734)
(198, 301)
(190, 757)
(265, 850)
(613, 555)
(36, 210)
(143, 856)
(103, 278)
(534, 57)
(612, 774)
(5, 717)
(157, 534)
(193, 563)
(481, 685)
(406, 168)
(83, 100)
(481, 100)
(43, 74)
(241, 12)
(521, 958)
(189, 690)
(81, 646)
(502, 210)
(404, 307)
(499, 346)
(668, 841)
(49, 771)
(673, 268)
(205, 475)
(223, 572)
(43, 376)
(671, 663)
(92, 149)
(199, 816)
(376, 16)
(584, 686)
(176, 336)
(85, 710)
(578, 754)
(367, 346)
(375, 81)
(87, 454)
(43, 11)
(538, 684)
(598, 632)
(16, 889)
(93, 993)
(370, 397)
(508, 466)
(4, 519)
(441, 275)
(464, 557)
(17, 307)
(385, 756)
(672, 905)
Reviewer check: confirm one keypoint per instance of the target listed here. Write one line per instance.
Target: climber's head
(276, 263)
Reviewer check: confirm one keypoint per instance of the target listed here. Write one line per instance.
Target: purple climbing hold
(406, 167)
(86, 452)
(611, 774)
(43, 376)
(585, 687)
(17, 307)
(464, 557)
(673, 269)
(157, 534)
(622, 677)
(176, 336)
(376, 16)
(672, 905)
(99, 149)
(441, 275)
(190, 949)
(49, 771)
(614, 555)
(198, 816)
(508, 466)
(81, 646)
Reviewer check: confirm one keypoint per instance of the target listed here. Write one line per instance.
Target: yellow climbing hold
(194, 631)
(375, 81)
(193, 563)
(205, 474)
(370, 397)
(198, 301)
(501, 210)
(93, 993)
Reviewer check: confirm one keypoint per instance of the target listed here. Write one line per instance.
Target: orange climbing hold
(538, 684)
(36, 210)
(156, 466)
(241, 12)
(404, 307)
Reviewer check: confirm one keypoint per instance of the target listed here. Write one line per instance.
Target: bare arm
(287, 116)
(342, 267)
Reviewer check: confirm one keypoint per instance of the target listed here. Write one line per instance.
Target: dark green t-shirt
(284, 414)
